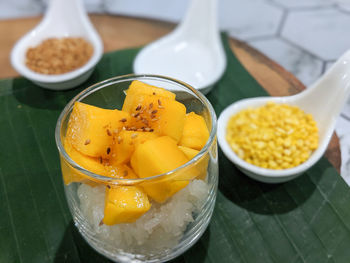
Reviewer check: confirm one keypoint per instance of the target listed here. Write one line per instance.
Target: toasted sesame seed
(148, 129)
(108, 186)
(137, 114)
(120, 139)
(150, 105)
(87, 142)
(132, 114)
(154, 112)
(138, 108)
(109, 132)
(133, 136)
(145, 121)
(155, 119)
(108, 150)
(160, 107)
(151, 130)
(123, 120)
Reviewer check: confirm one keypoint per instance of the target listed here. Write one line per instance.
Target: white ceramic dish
(324, 100)
(193, 52)
(64, 18)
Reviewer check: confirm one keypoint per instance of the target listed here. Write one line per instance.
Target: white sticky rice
(160, 228)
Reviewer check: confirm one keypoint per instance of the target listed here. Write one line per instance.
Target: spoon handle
(201, 20)
(328, 95)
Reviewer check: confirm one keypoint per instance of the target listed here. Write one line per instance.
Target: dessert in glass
(139, 165)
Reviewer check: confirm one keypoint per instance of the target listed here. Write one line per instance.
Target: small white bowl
(253, 171)
(64, 18)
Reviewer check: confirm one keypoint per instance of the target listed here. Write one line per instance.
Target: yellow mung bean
(274, 136)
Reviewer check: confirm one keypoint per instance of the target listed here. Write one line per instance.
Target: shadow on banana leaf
(73, 248)
(259, 197)
(28, 93)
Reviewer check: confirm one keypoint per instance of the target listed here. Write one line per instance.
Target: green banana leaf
(305, 220)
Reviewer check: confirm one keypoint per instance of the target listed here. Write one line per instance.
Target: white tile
(246, 19)
(323, 32)
(328, 65)
(345, 7)
(343, 132)
(165, 10)
(303, 3)
(94, 6)
(304, 66)
(20, 8)
(343, 4)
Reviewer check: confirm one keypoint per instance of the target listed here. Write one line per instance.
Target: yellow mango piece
(201, 164)
(124, 204)
(140, 88)
(125, 144)
(159, 156)
(162, 116)
(195, 132)
(96, 165)
(71, 175)
(189, 152)
(92, 164)
(90, 129)
(120, 171)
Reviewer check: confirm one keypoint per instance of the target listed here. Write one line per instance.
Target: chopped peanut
(274, 136)
(59, 55)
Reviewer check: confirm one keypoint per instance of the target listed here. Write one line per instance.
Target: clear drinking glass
(166, 230)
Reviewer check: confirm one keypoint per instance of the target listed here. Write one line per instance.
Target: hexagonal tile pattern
(246, 19)
(303, 3)
(304, 66)
(323, 32)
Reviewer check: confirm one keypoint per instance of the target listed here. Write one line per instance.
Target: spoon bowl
(64, 18)
(193, 52)
(323, 100)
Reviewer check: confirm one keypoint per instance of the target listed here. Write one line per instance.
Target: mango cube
(125, 144)
(90, 129)
(162, 116)
(140, 88)
(159, 156)
(96, 165)
(195, 133)
(124, 204)
(189, 152)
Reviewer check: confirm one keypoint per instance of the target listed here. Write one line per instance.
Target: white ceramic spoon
(193, 52)
(64, 18)
(324, 100)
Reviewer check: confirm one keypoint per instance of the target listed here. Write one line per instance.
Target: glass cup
(168, 229)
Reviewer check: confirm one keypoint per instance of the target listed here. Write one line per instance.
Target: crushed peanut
(59, 55)
(274, 136)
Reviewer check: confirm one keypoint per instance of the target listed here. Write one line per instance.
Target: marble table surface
(304, 36)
